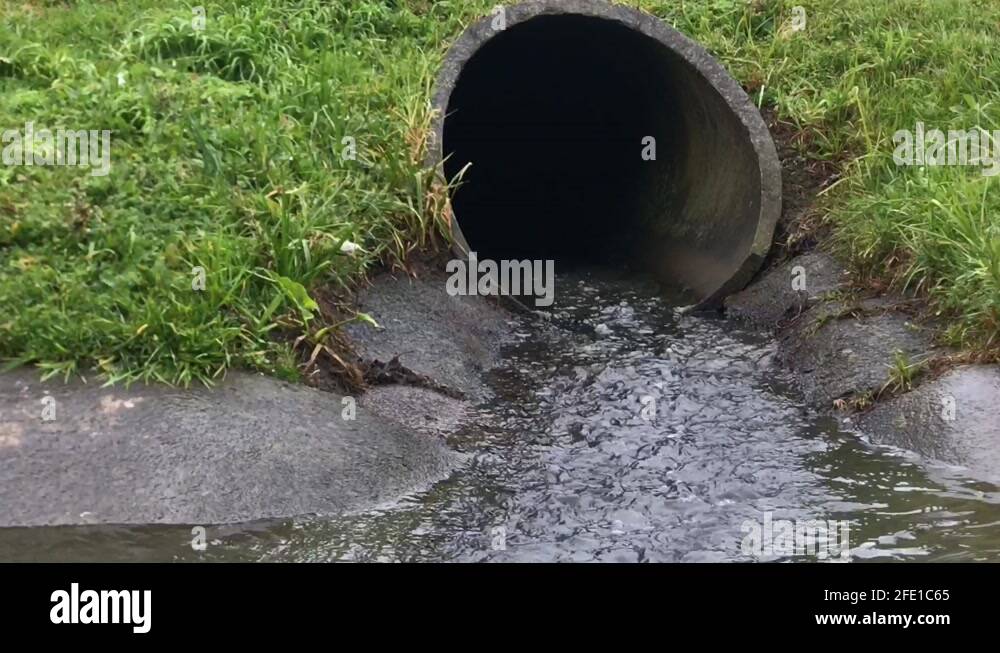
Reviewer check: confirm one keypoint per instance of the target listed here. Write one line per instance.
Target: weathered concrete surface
(416, 408)
(451, 339)
(836, 347)
(835, 352)
(953, 419)
(251, 448)
(787, 290)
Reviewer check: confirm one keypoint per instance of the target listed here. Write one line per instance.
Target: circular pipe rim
(694, 55)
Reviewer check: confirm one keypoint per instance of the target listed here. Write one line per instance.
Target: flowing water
(625, 431)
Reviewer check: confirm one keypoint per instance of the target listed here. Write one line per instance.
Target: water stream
(625, 432)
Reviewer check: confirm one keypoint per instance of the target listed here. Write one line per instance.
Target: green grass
(227, 155)
(228, 142)
(903, 373)
(859, 71)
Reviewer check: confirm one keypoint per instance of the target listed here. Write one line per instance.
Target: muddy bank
(864, 358)
(253, 447)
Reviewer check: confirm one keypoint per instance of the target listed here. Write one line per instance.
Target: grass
(903, 373)
(229, 156)
(229, 144)
(856, 74)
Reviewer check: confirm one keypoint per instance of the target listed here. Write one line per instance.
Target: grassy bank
(254, 148)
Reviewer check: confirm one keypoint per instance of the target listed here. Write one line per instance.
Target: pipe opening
(557, 117)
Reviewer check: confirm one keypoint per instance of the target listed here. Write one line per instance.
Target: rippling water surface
(625, 432)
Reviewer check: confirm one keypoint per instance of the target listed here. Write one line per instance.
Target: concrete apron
(253, 447)
(839, 349)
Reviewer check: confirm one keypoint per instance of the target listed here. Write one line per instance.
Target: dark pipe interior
(552, 112)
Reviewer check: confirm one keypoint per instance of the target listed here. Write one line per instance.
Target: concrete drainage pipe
(597, 133)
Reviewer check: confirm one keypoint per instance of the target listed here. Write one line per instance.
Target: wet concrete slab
(787, 290)
(449, 339)
(417, 409)
(840, 346)
(836, 351)
(254, 447)
(952, 419)
(251, 448)
(836, 345)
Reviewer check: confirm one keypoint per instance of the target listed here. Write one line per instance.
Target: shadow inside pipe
(583, 140)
